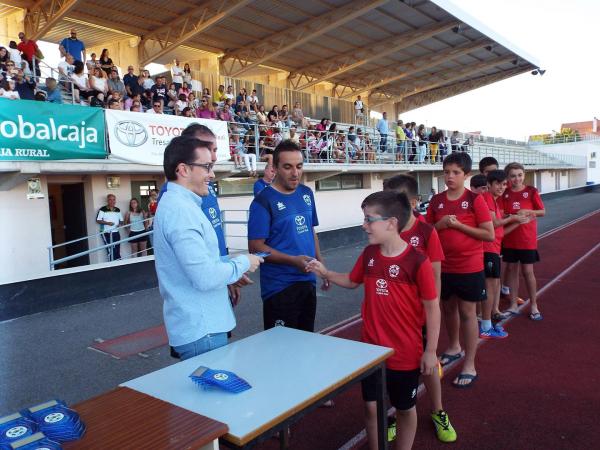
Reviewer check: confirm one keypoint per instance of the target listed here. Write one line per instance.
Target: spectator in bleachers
(172, 96)
(4, 58)
(225, 114)
(72, 46)
(205, 111)
(273, 116)
(29, 49)
(400, 141)
(66, 68)
(323, 125)
(187, 112)
(113, 103)
(115, 84)
(421, 138)
(454, 142)
(359, 108)
(145, 80)
(146, 100)
(159, 91)
(193, 102)
(7, 90)
(261, 115)
(130, 100)
(298, 116)
(187, 75)
(242, 96)
(52, 91)
(229, 94)
(15, 53)
(220, 95)
(115, 95)
(25, 86)
(184, 89)
(384, 129)
(25, 68)
(253, 99)
(435, 138)
(177, 75)
(293, 134)
(136, 107)
(106, 64)
(92, 62)
(206, 94)
(157, 108)
(40, 96)
(284, 116)
(98, 82)
(181, 104)
(82, 89)
(130, 80)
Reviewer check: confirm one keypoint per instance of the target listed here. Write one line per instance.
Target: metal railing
(564, 139)
(102, 237)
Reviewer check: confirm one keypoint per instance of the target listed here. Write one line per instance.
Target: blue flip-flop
(536, 317)
(464, 376)
(512, 313)
(449, 358)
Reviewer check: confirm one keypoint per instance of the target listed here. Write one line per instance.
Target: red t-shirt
(463, 253)
(28, 49)
(494, 206)
(420, 217)
(392, 310)
(524, 237)
(424, 238)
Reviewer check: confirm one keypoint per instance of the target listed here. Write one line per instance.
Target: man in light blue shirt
(192, 275)
(384, 129)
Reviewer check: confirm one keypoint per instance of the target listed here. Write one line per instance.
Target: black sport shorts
(469, 287)
(511, 255)
(491, 265)
(402, 386)
(294, 307)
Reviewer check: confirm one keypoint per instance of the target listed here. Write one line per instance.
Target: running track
(538, 389)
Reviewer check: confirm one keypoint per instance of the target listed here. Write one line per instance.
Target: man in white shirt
(229, 93)
(253, 99)
(358, 107)
(156, 108)
(110, 219)
(177, 74)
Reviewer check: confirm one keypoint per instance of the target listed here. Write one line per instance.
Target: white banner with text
(142, 138)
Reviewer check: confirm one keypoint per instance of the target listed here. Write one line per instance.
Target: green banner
(32, 130)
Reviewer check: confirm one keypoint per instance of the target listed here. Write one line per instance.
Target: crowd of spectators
(254, 132)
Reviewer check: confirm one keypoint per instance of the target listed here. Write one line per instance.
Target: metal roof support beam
(185, 27)
(281, 42)
(356, 58)
(434, 95)
(417, 87)
(405, 70)
(43, 15)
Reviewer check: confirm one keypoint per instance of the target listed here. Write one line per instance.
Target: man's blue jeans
(202, 345)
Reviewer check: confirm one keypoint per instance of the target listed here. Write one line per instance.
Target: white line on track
(362, 435)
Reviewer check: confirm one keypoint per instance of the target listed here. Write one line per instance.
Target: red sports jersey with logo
(495, 206)
(392, 309)
(420, 217)
(464, 254)
(424, 238)
(524, 237)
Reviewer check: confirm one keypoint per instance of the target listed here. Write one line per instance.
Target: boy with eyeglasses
(400, 297)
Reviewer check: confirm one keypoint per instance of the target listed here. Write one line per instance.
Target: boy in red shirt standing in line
(520, 245)
(496, 182)
(399, 292)
(463, 221)
(423, 237)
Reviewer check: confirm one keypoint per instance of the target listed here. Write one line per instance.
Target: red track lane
(536, 390)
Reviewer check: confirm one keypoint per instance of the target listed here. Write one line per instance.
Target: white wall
(548, 183)
(583, 149)
(25, 234)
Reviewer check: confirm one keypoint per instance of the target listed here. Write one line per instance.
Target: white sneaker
(505, 290)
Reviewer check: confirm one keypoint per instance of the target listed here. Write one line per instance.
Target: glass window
(235, 186)
(345, 181)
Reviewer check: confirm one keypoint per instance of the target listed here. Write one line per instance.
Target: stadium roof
(414, 51)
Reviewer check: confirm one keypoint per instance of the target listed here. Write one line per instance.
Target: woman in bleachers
(4, 58)
(187, 75)
(82, 89)
(261, 115)
(98, 82)
(105, 62)
(181, 104)
(145, 80)
(206, 110)
(185, 89)
(435, 137)
(421, 138)
(172, 96)
(206, 94)
(298, 116)
(273, 116)
(323, 125)
(7, 90)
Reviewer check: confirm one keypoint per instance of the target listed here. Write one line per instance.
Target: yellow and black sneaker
(391, 429)
(443, 428)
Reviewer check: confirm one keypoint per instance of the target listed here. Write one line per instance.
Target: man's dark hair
(112, 101)
(402, 183)
(197, 128)
(181, 149)
(488, 161)
(40, 96)
(461, 159)
(478, 181)
(496, 176)
(390, 204)
(284, 146)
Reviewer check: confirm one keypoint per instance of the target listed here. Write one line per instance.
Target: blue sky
(563, 37)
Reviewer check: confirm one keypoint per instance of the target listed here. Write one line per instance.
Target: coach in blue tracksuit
(282, 220)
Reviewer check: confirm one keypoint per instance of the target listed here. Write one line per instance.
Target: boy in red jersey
(496, 181)
(520, 245)
(399, 292)
(423, 237)
(463, 221)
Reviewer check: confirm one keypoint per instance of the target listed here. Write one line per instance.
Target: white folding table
(291, 372)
